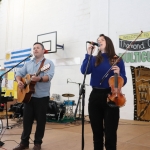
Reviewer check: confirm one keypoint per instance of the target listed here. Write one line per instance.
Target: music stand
(5, 100)
(7, 126)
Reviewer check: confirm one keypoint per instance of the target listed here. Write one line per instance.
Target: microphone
(30, 55)
(93, 43)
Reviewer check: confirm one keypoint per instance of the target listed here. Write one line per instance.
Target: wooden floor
(132, 135)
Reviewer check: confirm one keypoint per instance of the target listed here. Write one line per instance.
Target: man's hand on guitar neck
(40, 79)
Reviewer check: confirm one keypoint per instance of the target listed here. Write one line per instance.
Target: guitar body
(24, 95)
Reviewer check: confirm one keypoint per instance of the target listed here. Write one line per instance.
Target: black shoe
(36, 147)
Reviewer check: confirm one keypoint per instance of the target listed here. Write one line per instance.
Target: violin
(116, 82)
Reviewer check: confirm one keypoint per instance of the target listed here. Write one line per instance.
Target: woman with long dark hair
(104, 118)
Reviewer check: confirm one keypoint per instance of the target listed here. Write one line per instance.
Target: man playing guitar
(36, 107)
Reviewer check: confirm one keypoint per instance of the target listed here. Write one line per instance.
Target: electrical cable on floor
(50, 129)
(32, 141)
(69, 126)
(17, 142)
(16, 134)
(11, 141)
(3, 148)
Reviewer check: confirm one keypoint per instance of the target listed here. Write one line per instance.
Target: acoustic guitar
(24, 95)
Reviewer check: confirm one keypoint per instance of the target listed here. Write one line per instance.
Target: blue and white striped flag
(14, 57)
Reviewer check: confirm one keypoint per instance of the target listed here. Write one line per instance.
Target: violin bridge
(116, 95)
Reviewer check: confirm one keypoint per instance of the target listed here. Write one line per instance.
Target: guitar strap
(42, 63)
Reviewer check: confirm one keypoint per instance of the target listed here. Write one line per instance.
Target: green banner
(136, 57)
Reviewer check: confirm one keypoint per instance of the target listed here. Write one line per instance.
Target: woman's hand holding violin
(116, 69)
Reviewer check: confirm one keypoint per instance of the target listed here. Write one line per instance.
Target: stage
(132, 135)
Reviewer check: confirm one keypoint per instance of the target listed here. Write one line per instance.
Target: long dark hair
(109, 50)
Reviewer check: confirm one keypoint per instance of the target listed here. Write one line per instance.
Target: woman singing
(104, 118)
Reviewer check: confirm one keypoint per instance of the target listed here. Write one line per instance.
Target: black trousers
(34, 110)
(104, 120)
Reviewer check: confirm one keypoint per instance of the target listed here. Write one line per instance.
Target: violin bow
(107, 73)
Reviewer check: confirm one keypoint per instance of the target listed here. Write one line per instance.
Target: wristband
(41, 79)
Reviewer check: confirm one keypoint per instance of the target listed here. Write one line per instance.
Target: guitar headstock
(45, 67)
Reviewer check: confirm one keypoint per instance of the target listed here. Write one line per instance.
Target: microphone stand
(1, 78)
(79, 101)
(82, 92)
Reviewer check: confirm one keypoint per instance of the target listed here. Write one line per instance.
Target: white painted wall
(76, 21)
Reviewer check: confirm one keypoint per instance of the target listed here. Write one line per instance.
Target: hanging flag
(14, 57)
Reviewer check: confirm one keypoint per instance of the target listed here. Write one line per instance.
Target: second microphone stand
(79, 101)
